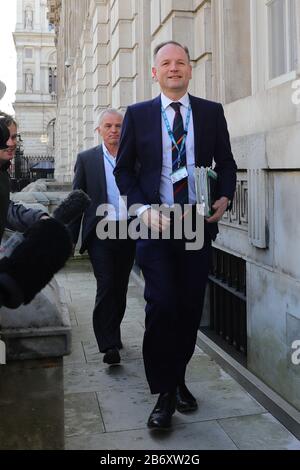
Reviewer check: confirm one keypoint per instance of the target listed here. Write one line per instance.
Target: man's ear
(154, 76)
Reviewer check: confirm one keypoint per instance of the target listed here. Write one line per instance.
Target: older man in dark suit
(162, 141)
(112, 259)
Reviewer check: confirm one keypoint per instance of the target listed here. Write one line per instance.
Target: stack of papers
(206, 183)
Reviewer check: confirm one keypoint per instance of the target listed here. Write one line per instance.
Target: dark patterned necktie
(181, 190)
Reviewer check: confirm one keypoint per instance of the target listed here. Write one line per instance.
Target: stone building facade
(245, 54)
(35, 104)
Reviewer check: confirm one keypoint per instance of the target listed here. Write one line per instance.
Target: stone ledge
(43, 343)
(38, 330)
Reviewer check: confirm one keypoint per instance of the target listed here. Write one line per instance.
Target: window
(52, 80)
(28, 53)
(282, 37)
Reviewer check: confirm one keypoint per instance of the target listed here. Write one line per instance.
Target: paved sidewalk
(106, 408)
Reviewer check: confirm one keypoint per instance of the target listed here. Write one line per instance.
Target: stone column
(69, 130)
(43, 17)
(202, 73)
(20, 74)
(87, 76)
(101, 58)
(79, 113)
(231, 50)
(298, 56)
(73, 125)
(123, 43)
(218, 79)
(143, 56)
(298, 35)
(62, 142)
(37, 16)
(20, 15)
(37, 74)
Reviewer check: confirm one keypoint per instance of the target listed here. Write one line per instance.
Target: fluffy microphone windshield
(45, 248)
(72, 207)
(44, 251)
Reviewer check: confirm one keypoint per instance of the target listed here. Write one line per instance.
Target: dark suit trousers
(112, 262)
(175, 281)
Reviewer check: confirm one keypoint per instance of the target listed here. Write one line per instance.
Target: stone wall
(110, 65)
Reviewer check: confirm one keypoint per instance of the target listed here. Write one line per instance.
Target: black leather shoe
(184, 399)
(161, 416)
(112, 356)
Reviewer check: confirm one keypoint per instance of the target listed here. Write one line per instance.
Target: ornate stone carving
(29, 82)
(28, 18)
(238, 216)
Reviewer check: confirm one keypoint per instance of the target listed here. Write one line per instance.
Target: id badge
(179, 175)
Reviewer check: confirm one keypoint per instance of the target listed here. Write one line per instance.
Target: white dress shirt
(113, 193)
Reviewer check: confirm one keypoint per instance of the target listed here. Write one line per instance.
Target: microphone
(72, 207)
(68, 210)
(30, 262)
(46, 247)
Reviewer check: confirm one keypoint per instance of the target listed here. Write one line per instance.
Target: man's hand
(219, 207)
(155, 220)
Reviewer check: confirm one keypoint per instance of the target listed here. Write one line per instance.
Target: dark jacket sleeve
(79, 182)
(20, 218)
(126, 170)
(225, 164)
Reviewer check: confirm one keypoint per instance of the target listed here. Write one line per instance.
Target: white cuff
(142, 209)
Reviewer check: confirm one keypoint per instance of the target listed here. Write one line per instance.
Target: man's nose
(173, 66)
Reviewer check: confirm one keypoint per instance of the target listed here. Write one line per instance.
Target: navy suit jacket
(139, 161)
(90, 177)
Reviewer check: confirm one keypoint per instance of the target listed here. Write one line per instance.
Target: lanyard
(171, 135)
(109, 160)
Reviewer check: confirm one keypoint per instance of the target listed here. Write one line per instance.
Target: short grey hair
(109, 111)
(175, 43)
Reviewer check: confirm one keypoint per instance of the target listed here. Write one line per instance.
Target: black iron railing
(25, 169)
(228, 313)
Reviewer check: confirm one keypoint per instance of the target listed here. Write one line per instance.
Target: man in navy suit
(112, 259)
(162, 141)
